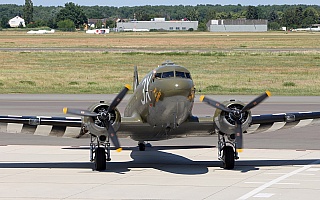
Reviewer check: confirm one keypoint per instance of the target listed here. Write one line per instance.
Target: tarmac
(63, 172)
(278, 165)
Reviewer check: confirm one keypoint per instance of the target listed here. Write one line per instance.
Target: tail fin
(135, 78)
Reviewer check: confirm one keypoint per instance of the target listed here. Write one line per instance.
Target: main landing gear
(142, 145)
(226, 150)
(99, 152)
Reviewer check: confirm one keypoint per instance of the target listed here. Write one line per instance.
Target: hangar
(238, 25)
(157, 24)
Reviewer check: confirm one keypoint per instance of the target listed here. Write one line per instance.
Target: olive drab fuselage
(164, 97)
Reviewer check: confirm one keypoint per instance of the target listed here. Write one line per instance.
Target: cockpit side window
(167, 74)
(158, 75)
(188, 75)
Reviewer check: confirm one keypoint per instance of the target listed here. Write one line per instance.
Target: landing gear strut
(142, 146)
(99, 152)
(226, 151)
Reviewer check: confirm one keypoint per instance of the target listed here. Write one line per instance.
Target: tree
(202, 27)
(293, 17)
(4, 22)
(274, 26)
(273, 16)
(66, 25)
(310, 16)
(110, 24)
(28, 11)
(74, 13)
(210, 15)
(252, 12)
(99, 24)
(193, 14)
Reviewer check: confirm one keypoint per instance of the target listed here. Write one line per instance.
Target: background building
(157, 24)
(238, 25)
(16, 22)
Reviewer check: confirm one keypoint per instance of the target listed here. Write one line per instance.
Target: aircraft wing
(196, 126)
(72, 127)
(273, 122)
(42, 125)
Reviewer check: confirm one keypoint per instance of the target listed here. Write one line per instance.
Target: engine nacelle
(225, 121)
(95, 126)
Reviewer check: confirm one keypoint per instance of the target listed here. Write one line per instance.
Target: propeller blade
(114, 138)
(214, 103)
(256, 101)
(239, 137)
(119, 98)
(85, 113)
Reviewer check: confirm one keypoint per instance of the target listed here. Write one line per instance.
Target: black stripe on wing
(42, 120)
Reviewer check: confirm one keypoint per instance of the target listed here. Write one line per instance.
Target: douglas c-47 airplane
(160, 108)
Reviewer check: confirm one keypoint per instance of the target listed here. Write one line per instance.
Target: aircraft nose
(183, 85)
(174, 87)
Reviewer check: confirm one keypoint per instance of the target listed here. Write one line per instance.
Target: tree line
(74, 16)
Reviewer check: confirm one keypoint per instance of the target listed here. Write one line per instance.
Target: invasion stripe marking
(43, 130)
(264, 127)
(14, 128)
(304, 122)
(276, 126)
(72, 132)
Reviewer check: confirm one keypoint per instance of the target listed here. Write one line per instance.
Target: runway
(278, 165)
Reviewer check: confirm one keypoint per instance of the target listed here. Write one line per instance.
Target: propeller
(104, 116)
(236, 114)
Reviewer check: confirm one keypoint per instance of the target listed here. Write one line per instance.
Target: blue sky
(119, 3)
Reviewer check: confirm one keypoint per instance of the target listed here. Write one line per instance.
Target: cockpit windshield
(171, 74)
(180, 74)
(167, 74)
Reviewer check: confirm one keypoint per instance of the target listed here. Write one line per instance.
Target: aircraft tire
(228, 157)
(100, 159)
(142, 147)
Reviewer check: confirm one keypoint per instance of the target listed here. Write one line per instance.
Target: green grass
(215, 73)
(289, 84)
(214, 60)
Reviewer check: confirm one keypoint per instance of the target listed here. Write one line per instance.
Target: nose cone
(183, 84)
(174, 86)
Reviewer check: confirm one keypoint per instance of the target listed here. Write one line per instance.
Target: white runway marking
(263, 195)
(277, 180)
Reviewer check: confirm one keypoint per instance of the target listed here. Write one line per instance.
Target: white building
(157, 24)
(238, 25)
(16, 22)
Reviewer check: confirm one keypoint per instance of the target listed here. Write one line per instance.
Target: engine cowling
(225, 121)
(94, 124)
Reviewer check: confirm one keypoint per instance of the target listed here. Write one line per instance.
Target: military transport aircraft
(160, 108)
